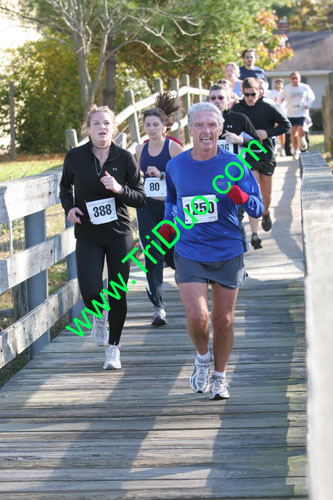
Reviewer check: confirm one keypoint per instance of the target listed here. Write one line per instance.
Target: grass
(26, 165)
(317, 142)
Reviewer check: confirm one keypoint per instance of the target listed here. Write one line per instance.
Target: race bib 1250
(204, 208)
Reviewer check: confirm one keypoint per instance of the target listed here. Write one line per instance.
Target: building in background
(313, 59)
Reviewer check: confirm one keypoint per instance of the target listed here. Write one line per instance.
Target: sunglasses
(219, 97)
(250, 94)
(295, 78)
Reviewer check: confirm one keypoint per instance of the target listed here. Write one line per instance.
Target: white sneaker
(219, 388)
(304, 144)
(99, 333)
(282, 152)
(159, 318)
(112, 361)
(297, 154)
(199, 380)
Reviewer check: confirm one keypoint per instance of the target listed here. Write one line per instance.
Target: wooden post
(71, 138)
(37, 286)
(198, 85)
(186, 106)
(175, 88)
(133, 119)
(327, 110)
(158, 85)
(12, 122)
(72, 273)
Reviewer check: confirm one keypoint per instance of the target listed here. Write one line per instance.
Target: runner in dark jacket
(269, 122)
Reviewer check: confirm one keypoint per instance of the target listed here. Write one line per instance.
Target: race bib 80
(154, 186)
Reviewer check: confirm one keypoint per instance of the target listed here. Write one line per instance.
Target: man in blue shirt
(205, 186)
(249, 70)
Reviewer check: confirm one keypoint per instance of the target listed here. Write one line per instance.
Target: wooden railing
(29, 198)
(327, 109)
(317, 223)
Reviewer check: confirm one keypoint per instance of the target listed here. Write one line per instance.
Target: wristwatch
(162, 176)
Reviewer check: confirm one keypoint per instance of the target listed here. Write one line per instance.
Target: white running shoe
(199, 380)
(99, 332)
(219, 388)
(159, 318)
(112, 361)
(297, 154)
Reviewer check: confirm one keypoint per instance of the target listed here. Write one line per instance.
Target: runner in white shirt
(299, 98)
(275, 95)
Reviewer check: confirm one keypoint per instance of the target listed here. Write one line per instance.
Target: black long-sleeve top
(237, 123)
(81, 169)
(265, 116)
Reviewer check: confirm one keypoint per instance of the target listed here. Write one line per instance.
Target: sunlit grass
(317, 142)
(28, 165)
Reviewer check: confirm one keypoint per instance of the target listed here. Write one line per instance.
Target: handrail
(317, 222)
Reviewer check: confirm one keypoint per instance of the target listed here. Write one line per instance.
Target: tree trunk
(109, 91)
(84, 82)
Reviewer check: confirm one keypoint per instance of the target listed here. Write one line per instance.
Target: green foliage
(308, 15)
(47, 99)
(225, 29)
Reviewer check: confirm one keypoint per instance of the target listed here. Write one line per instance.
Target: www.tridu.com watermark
(199, 205)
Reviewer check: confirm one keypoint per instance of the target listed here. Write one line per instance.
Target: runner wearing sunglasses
(238, 131)
(268, 122)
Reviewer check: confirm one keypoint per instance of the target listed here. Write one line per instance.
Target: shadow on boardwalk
(70, 430)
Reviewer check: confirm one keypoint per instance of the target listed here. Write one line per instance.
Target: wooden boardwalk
(69, 430)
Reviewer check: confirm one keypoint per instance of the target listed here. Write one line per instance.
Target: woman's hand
(233, 138)
(153, 172)
(110, 183)
(73, 215)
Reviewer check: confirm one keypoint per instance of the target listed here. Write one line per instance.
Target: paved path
(69, 430)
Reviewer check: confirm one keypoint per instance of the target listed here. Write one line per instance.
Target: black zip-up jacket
(265, 116)
(238, 123)
(80, 170)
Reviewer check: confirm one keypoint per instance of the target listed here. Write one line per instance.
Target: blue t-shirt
(256, 72)
(186, 177)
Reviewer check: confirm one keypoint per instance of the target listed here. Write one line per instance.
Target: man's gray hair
(204, 106)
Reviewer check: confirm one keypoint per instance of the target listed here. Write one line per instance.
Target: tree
(308, 15)
(225, 30)
(47, 101)
(88, 26)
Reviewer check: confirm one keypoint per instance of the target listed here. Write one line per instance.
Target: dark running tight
(90, 262)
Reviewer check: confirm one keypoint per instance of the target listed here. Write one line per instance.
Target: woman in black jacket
(106, 180)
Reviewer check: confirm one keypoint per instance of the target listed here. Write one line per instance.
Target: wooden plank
(23, 332)
(192, 488)
(28, 195)
(23, 265)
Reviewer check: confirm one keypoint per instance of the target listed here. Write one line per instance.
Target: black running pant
(90, 256)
